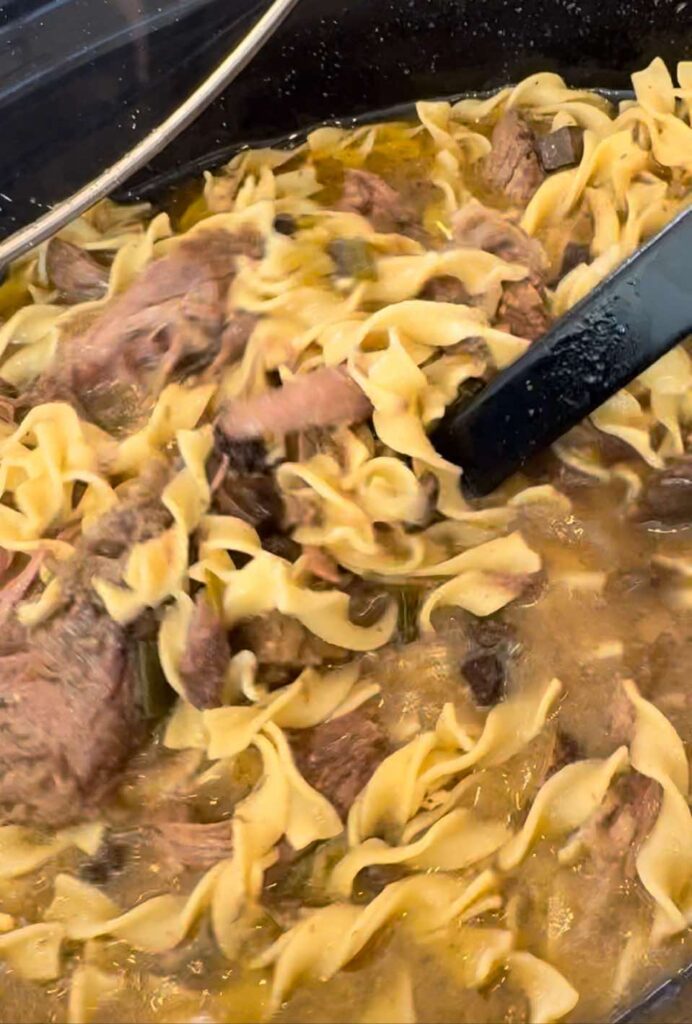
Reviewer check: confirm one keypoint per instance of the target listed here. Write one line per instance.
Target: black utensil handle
(623, 326)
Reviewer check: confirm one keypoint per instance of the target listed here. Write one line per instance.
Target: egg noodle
(454, 866)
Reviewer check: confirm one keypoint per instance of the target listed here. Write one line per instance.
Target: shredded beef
(325, 397)
(513, 165)
(74, 272)
(338, 757)
(205, 657)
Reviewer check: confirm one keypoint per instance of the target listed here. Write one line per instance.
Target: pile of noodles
(405, 353)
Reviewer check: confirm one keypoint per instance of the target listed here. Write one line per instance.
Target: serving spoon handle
(625, 324)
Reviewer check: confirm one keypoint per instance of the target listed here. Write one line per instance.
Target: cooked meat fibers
(476, 226)
(338, 757)
(372, 197)
(513, 166)
(283, 641)
(74, 272)
(485, 666)
(205, 656)
(667, 495)
(323, 398)
(522, 310)
(615, 833)
(192, 845)
(68, 718)
(173, 312)
(445, 288)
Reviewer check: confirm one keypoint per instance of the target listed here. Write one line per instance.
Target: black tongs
(623, 326)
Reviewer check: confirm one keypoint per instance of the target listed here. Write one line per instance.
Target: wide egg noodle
(664, 862)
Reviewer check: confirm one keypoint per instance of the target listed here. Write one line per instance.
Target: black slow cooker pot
(82, 80)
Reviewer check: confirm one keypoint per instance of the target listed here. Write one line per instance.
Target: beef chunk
(338, 757)
(445, 288)
(566, 750)
(192, 845)
(370, 196)
(513, 166)
(485, 674)
(476, 226)
(353, 258)
(574, 254)
(325, 397)
(68, 717)
(253, 497)
(172, 315)
(285, 224)
(562, 148)
(109, 860)
(74, 272)
(283, 641)
(667, 495)
(205, 657)
(522, 310)
(615, 832)
(610, 449)
(491, 642)
(242, 456)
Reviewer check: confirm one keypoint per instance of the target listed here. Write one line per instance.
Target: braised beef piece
(253, 497)
(484, 667)
(513, 165)
(322, 398)
(74, 272)
(109, 860)
(367, 602)
(566, 750)
(205, 656)
(446, 288)
(614, 834)
(68, 717)
(172, 315)
(667, 495)
(338, 757)
(610, 449)
(562, 148)
(285, 224)
(573, 255)
(353, 258)
(243, 485)
(370, 196)
(522, 310)
(242, 456)
(193, 845)
(282, 641)
(476, 226)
